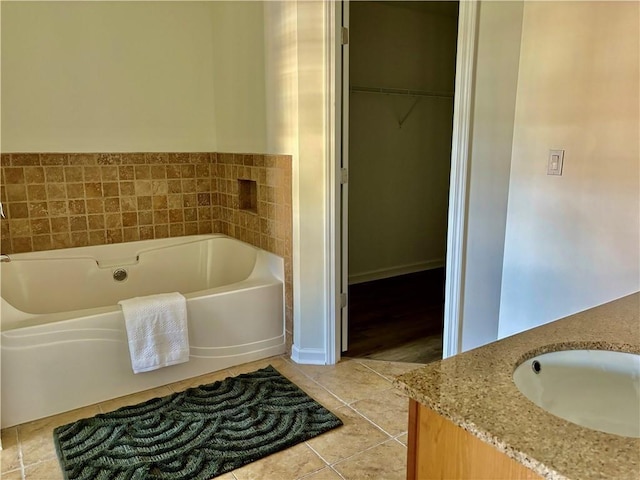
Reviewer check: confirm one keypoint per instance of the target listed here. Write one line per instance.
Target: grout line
(337, 472)
(326, 463)
(20, 456)
(396, 439)
(358, 453)
(371, 422)
(376, 372)
(307, 475)
(294, 365)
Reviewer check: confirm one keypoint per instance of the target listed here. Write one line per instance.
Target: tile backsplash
(60, 200)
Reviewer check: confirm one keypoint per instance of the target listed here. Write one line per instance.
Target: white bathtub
(63, 340)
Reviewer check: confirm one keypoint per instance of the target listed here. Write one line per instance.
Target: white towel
(157, 330)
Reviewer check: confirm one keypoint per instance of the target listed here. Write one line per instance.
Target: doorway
(402, 58)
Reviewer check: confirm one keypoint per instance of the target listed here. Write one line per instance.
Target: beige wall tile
(36, 192)
(34, 175)
(173, 194)
(40, 226)
(73, 174)
(54, 174)
(77, 207)
(42, 242)
(92, 174)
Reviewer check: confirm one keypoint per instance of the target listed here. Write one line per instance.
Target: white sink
(597, 389)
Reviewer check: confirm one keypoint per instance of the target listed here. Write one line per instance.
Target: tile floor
(370, 445)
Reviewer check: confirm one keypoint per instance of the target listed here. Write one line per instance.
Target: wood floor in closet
(398, 319)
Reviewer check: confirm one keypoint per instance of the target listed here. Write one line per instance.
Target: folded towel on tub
(156, 330)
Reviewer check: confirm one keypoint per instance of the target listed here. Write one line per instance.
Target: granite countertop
(475, 390)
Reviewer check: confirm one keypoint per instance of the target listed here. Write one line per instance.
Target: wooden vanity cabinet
(439, 449)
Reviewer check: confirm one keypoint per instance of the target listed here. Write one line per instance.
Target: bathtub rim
(268, 268)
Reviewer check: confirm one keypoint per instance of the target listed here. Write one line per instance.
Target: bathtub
(63, 339)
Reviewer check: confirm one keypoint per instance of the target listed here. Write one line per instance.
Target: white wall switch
(556, 159)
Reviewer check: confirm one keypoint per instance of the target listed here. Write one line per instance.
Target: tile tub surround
(370, 445)
(475, 390)
(60, 200)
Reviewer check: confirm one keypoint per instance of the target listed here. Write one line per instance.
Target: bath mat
(197, 434)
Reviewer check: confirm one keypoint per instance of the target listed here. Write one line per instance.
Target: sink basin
(597, 389)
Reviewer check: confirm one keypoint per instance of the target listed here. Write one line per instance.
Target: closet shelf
(400, 91)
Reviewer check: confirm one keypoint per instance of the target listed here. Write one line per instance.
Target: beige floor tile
(226, 476)
(47, 470)
(327, 473)
(356, 435)
(36, 438)
(315, 371)
(388, 409)
(389, 370)
(311, 388)
(385, 461)
(10, 459)
(289, 464)
(36, 447)
(403, 439)
(135, 398)
(13, 475)
(201, 380)
(351, 381)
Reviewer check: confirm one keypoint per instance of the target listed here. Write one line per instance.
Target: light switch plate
(555, 162)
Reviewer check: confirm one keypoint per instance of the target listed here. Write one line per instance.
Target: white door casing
(337, 103)
(460, 154)
(344, 180)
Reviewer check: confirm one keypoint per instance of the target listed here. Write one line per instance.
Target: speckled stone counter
(475, 390)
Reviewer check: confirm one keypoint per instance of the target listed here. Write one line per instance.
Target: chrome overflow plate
(120, 274)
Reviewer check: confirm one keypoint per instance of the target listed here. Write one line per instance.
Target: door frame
(458, 199)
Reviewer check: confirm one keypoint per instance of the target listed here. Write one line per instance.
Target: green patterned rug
(197, 434)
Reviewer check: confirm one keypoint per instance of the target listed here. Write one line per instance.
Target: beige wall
(133, 76)
(399, 175)
(238, 34)
(295, 108)
(310, 184)
(496, 80)
(572, 240)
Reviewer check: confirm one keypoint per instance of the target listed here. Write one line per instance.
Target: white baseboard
(308, 356)
(395, 271)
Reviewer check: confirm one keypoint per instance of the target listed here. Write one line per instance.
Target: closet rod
(398, 91)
